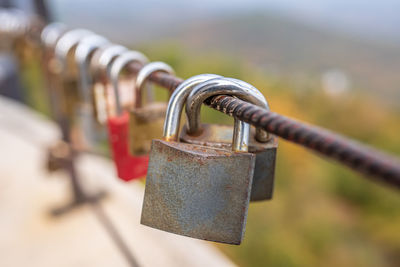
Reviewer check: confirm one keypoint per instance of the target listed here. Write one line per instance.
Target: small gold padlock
(146, 121)
(100, 67)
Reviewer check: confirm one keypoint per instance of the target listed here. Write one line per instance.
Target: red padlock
(129, 167)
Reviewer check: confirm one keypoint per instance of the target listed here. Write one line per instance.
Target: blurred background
(333, 63)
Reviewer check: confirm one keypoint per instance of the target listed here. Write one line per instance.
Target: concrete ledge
(31, 237)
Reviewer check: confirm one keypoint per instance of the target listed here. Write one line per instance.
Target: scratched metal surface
(217, 135)
(198, 191)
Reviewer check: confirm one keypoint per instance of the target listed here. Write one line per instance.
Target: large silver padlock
(220, 136)
(146, 121)
(198, 191)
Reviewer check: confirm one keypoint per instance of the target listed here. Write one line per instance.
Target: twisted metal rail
(373, 163)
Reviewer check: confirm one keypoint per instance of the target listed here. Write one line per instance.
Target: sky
(370, 19)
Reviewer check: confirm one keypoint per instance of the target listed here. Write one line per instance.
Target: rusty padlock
(146, 121)
(219, 136)
(198, 191)
(100, 69)
(128, 166)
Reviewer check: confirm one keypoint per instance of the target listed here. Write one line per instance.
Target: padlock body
(100, 102)
(198, 191)
(128, 167)
(57, 156)
(220, 136)
(146, 124)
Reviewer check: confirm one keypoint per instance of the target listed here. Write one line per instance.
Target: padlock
(66, 70)
(64, 51)
(219, 136)
(99, 66)
(92, 131)
(57, 156)
(216, 135)
(49, 37)
(146, 121)
(128, 166)
(198, 191)
(15, 26)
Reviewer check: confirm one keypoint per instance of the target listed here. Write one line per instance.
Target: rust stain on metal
(198, 191)
(220, 136)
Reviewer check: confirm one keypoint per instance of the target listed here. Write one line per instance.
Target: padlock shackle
(52, 33)
(66, 43)
(262, 136)
(143, 76)
(177, 102)
(14, 22)
(83, 55)
(116, 68)
(108, 55)
(221, 86)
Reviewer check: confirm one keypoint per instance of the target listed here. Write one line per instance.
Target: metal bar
(368, 161)
(364, 160)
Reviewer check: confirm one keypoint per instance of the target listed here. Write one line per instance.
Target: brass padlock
(220, 136)
(198, 191)
(100, 67)
(120, 99)
(146, 121)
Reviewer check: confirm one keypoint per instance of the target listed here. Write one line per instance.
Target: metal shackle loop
(66, 42)
(144, 74)
(116, 68)
(221, 86)
(15, 22)
(107, 56)
(51, 33)
(83, 53)
(177, 102)
(262, 136)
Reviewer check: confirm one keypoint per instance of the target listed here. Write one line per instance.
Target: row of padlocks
(200, 178)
